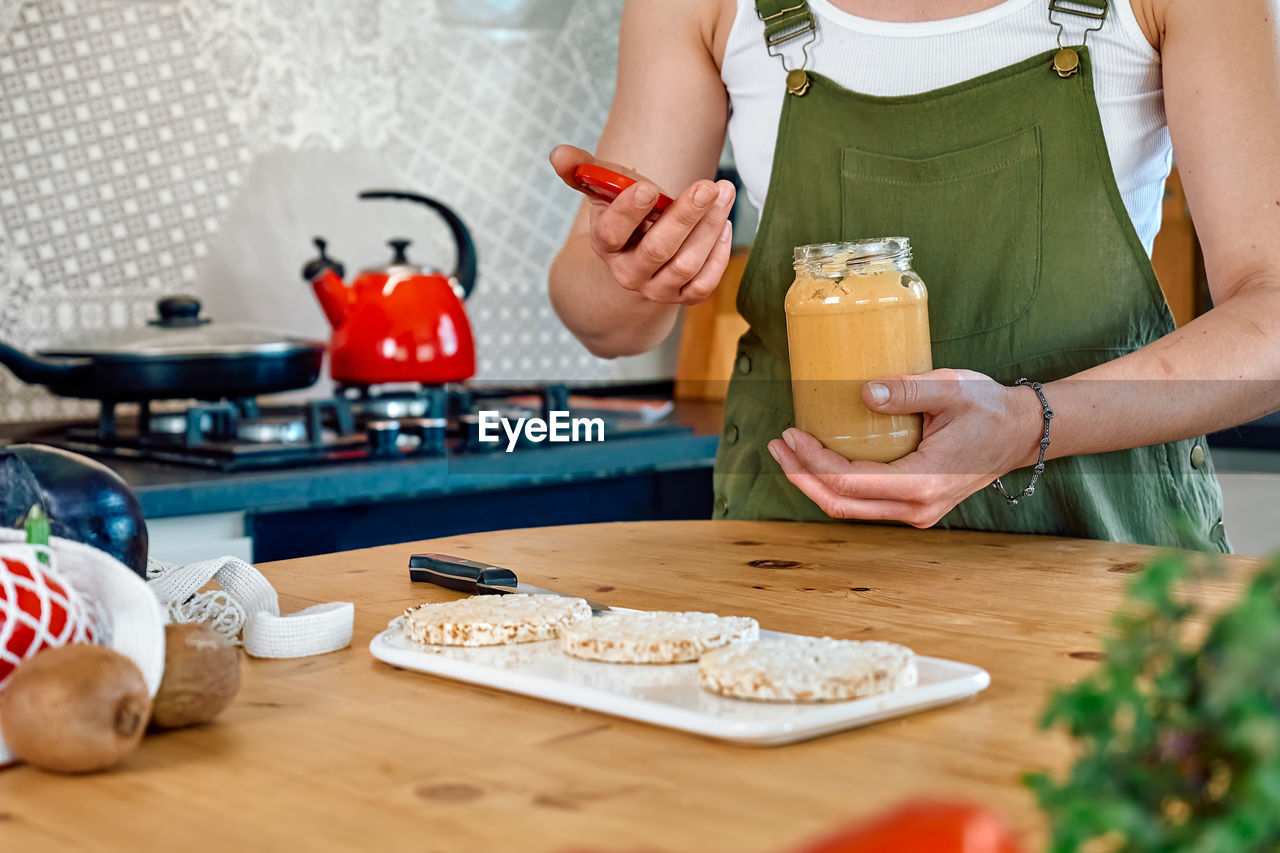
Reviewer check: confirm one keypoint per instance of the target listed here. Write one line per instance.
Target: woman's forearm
(609, 320)
(1218, 371)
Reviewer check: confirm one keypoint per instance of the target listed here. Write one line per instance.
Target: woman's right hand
(677, 260)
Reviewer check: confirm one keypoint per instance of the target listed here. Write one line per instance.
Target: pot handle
(465, 271)
(41, 371)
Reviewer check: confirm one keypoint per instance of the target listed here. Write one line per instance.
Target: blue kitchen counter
(167, 491)
(309, 509)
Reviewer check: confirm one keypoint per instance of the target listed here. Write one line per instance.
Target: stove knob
(555, 398)
(430, 433)
(382, 437)
(460, 402)
(471, 428)
(437, 401)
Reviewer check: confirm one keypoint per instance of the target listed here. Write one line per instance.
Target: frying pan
(179, 355)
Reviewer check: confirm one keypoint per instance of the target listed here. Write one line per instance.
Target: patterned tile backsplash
(195, 146)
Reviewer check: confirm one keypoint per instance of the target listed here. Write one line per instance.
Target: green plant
(1180, 739)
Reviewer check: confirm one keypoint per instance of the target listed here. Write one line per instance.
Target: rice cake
(493, 620)
(655, 636)
(807, 669)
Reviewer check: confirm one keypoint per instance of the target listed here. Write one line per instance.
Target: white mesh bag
(123, 612)
(249, 608)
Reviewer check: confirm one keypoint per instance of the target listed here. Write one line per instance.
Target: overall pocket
(973, 218)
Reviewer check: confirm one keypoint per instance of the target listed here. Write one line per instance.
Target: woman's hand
(678, 259)
(975, 430)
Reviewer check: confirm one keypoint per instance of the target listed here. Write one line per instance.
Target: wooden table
(342, 752)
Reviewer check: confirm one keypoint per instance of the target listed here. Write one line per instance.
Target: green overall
(1004, 186)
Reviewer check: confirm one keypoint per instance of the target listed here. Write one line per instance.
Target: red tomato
(923, 827)
(37, 610)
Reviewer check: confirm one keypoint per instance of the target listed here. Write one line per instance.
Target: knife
(479, 578)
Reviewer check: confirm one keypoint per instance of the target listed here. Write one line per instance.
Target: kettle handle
(465, 271)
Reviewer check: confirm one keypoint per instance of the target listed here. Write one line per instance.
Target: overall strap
(784, 20)
(1091, 8)
(1067, 60)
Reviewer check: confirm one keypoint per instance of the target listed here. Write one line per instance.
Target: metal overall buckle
(1067, 60)
(783, 26)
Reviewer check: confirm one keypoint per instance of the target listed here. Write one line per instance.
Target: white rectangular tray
(668, 694)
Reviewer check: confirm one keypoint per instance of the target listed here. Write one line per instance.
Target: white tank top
(883, 58)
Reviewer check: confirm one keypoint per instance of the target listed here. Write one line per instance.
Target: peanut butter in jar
(856, 312)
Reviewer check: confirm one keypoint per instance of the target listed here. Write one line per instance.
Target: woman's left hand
(975, 430)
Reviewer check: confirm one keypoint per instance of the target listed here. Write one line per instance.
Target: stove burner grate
(355, 424)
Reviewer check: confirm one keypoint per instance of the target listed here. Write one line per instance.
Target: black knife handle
(461, 575)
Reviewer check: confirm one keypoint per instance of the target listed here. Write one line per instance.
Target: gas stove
(355, 424)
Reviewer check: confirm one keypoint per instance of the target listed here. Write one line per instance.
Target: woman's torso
(890, 58)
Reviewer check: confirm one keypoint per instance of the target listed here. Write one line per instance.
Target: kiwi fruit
(201, 676)
(74, 709)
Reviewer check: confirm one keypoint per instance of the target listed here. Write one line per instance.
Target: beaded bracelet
(1030, 490)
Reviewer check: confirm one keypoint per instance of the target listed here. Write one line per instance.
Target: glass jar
(856, 312)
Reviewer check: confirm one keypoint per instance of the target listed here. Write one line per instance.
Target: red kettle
(397, 323)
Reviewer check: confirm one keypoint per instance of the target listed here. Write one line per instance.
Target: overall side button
(1197, 457)
(744, 364)
(1218, 533)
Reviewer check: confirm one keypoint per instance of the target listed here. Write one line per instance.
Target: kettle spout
(335, 297)
(325, 275)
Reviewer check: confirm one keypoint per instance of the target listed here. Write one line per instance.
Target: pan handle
(44, 371)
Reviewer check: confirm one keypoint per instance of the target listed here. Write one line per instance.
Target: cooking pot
(178, 355)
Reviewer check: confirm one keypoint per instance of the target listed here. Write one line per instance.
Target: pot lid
(400, 264)
(180, 332)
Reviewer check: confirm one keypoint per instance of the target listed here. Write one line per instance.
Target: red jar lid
(608, 184)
